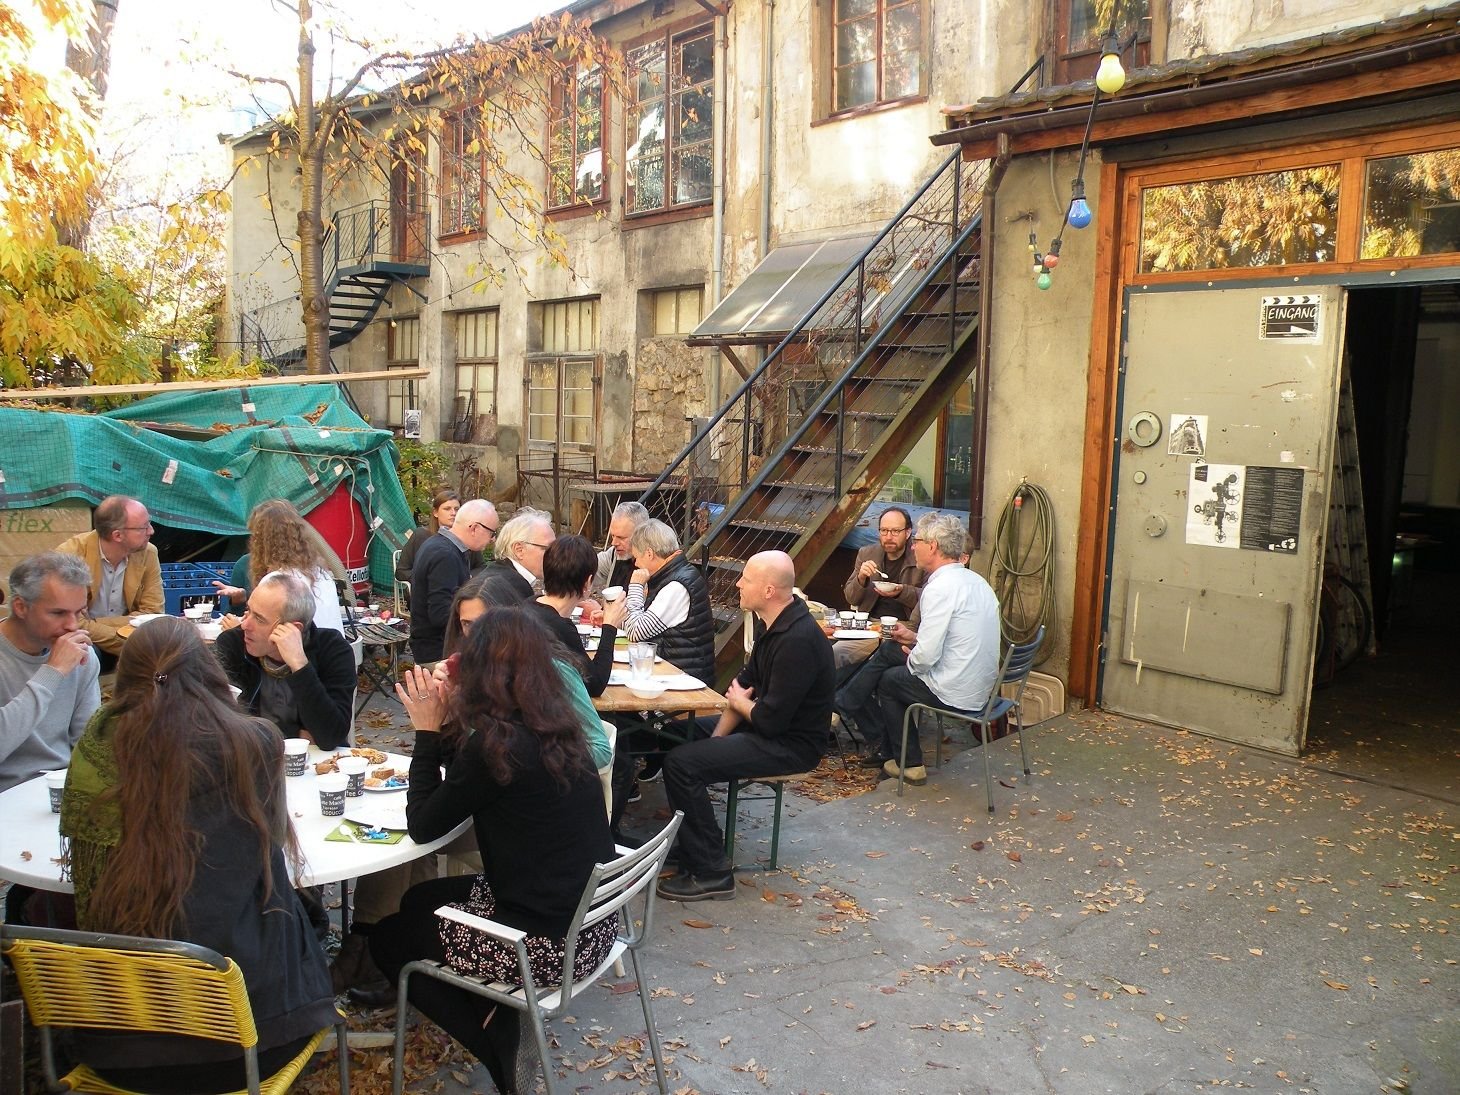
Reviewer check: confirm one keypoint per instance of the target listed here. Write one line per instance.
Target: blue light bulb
(1080, 215)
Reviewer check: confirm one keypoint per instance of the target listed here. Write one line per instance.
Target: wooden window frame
(677, 291)
(560, 361)
(669, 37)
(454, 143)
(826, 53)
(1068, 65)
(402, 391)
(475, 395)
(568, 113)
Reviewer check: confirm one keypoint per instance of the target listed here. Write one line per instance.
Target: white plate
(623, 656)
(378, 813)
(853, 633)
(386, 790)
(138, 621)
(680, 682)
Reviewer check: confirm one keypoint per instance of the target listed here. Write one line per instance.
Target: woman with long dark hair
(522, 771)
(175, 818)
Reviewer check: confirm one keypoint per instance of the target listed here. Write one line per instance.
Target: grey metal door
(1221, 480)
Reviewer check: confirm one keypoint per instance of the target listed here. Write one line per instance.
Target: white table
(27, 825)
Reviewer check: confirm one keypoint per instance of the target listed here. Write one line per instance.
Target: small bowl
(646, 690)
(585, 629)
(885, 589)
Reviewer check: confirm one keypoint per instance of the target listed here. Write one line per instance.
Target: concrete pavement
(1151, 912)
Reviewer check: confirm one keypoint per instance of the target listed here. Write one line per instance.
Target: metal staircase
(363, 258)
(806, 442)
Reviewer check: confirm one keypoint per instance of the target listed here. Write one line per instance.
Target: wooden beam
(735, 361)
(87, 391)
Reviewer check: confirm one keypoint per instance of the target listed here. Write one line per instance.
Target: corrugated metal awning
(780, 291)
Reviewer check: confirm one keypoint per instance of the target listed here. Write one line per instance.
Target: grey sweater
(43, 712)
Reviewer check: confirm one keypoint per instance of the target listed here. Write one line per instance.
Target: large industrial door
(1221, 484)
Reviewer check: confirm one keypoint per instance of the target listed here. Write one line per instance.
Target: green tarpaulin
(300, 443)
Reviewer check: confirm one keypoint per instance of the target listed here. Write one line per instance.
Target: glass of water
(641, 661)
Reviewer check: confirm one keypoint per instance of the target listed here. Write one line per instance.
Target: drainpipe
(717, 218)
(767, 112)
(985, 308)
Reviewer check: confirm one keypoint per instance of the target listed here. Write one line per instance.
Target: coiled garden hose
(1022, 569)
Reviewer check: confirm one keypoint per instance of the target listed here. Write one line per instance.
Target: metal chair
(612, 889)
(121, 983)
(1018, 661)
(775, 788)
(401, 590)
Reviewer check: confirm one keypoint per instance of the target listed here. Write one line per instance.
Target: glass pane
(647, 64)
(542, 427)
(904, 29)
(695, 60)
(1090, 22)
(578, 375)
(856, 84)
(902, 75)
(856, 42)
(1412, 205)
(851, 9)
(689, 309)
(694, 113)
(1271, 219)
(693, 176)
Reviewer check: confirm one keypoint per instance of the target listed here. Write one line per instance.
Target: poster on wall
(1214, 493)
(1187, 435)
(1298, 317)
(1272, 509)
(411, 422)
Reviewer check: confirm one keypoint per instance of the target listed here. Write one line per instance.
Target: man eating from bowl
(886, 581)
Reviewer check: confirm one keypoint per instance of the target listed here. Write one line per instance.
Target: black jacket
(324, 690)
(689, 646)
(793, 675)
(595, 670)
(441, 568)
(501, 571)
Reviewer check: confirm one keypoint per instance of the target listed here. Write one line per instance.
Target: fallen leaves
(695, 922)
(1337, 986)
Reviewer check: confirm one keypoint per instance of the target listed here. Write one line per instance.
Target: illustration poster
(1187, 435)
(1272, 509)
(1214, 498)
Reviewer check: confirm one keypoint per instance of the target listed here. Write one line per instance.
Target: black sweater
(539, 842)
(793, 675)
(595, 670)
(323, 691)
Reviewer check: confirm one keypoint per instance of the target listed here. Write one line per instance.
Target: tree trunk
(311, 167)
(91, 61)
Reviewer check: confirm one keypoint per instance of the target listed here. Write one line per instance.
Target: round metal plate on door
(1143, 429)
(1155, 525)
(1139, 478)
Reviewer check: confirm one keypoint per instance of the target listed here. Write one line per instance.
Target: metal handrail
(834, 389)
(811, 313)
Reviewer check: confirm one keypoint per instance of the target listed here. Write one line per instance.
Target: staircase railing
(783, 401)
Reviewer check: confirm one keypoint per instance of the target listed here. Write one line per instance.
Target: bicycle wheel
(1353, 622)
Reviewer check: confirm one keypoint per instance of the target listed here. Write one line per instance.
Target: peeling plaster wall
(1201, 27)
(1039, 367)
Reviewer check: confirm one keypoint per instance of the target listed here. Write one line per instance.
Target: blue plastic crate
(185, 584)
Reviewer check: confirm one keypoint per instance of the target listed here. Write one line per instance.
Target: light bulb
(1080, 216)
(1110, 76)
(1044, 280)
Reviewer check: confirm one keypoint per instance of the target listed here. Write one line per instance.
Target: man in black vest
(776, 724)
(669, 602)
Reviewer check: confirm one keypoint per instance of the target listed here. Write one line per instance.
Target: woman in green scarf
(175, 814)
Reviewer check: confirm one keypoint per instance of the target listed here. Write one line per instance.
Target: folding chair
(1018, 661)
(611, 889)
(401, 590)
(145, 986)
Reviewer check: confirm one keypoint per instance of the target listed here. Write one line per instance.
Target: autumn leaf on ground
(697, 924)
(1337, 985)
(868, 1025)
(1015, 857)
(875, 855)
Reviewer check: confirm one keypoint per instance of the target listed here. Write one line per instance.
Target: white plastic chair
(622, 888)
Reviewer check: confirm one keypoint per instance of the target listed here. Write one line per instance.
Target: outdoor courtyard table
(618, 700)
(30, 841)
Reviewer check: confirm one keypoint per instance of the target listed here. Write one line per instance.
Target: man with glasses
(517, 559)
(890, 563)
(442, 567)
(298, 676)
(126, 577)
(616, 562)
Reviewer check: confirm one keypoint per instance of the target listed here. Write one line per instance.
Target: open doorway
(1393, 715)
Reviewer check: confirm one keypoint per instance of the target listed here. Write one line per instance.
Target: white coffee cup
(332, 788)
(888, 622)
(848, 617)
(613, 593)
(296, 754)
(55, 783)
(354, 768)
(860, 619)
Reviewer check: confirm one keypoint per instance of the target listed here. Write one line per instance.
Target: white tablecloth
(30, 834)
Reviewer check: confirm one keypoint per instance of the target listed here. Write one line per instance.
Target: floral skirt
(477, 954)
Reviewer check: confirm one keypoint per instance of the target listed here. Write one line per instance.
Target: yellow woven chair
(122, 983)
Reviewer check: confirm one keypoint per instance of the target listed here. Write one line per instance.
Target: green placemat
(343, 831)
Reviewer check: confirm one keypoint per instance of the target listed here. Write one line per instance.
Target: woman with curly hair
(280, 539)
(175, 817)
(523, 773)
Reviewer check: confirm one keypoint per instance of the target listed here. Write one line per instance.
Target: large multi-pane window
(670, 120)
(476, 370)
(1411, 205)
(575, 139)
(402, 351)
(877, 52)
(562, 379)
(463, 173)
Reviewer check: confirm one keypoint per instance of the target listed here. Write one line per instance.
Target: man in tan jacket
(126, 577)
